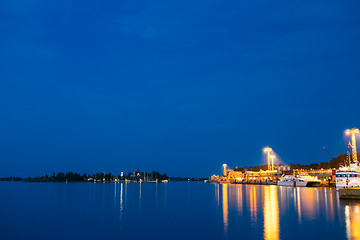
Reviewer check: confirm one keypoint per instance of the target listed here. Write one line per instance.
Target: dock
(349, 193)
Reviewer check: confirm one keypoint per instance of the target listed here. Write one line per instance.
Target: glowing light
(352, 131)
(267, 149)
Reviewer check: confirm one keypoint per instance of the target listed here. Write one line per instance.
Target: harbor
(345, 176)
(271, 177)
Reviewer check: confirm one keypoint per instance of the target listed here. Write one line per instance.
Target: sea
(173, 210)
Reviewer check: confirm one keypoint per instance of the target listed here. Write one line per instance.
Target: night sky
(178, 87)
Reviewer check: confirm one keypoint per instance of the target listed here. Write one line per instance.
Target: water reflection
(303, 206)
(140, 198)
(239, 201)
(253, 204)
(271, 213)
(251, 210)
(217, 193)
(297, 202)
(352, 220)
(121, 199)
(225, 206)
(277, 209)
(308, 198)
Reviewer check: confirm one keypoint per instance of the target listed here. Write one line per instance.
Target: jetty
(349, 193)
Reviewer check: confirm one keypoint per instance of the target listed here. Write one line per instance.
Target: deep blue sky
(179, 87)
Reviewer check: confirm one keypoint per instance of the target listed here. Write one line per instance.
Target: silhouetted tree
(60, 177)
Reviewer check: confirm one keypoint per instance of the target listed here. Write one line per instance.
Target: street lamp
(352, 132)
(272, 162)
(268, 150)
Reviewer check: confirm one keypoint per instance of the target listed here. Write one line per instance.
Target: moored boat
(299, 180)
(348, 177)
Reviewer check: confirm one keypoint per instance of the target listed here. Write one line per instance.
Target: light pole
(225, 169)
(268, 150)
(272, 162)
(353, 131)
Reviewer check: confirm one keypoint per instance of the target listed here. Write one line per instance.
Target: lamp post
(225, 169)
(352, 132)
(268, 150)
(272, 162)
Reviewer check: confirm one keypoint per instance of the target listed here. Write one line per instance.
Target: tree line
(77, 177)
(336, 162)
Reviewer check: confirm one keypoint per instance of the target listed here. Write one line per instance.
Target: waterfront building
(326, 176)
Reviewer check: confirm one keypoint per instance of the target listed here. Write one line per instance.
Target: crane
(352, 132)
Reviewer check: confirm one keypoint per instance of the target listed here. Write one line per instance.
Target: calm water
(175, 210)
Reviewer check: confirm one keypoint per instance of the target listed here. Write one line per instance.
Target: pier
(349, 193)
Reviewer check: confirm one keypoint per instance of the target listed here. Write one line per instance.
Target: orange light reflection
(271, 213)
(225, 206)
(253, 204)
(352, 221)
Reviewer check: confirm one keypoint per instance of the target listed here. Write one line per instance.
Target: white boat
(348, 176)
(299, 180)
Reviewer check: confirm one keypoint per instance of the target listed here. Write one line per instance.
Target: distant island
(137, 176)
